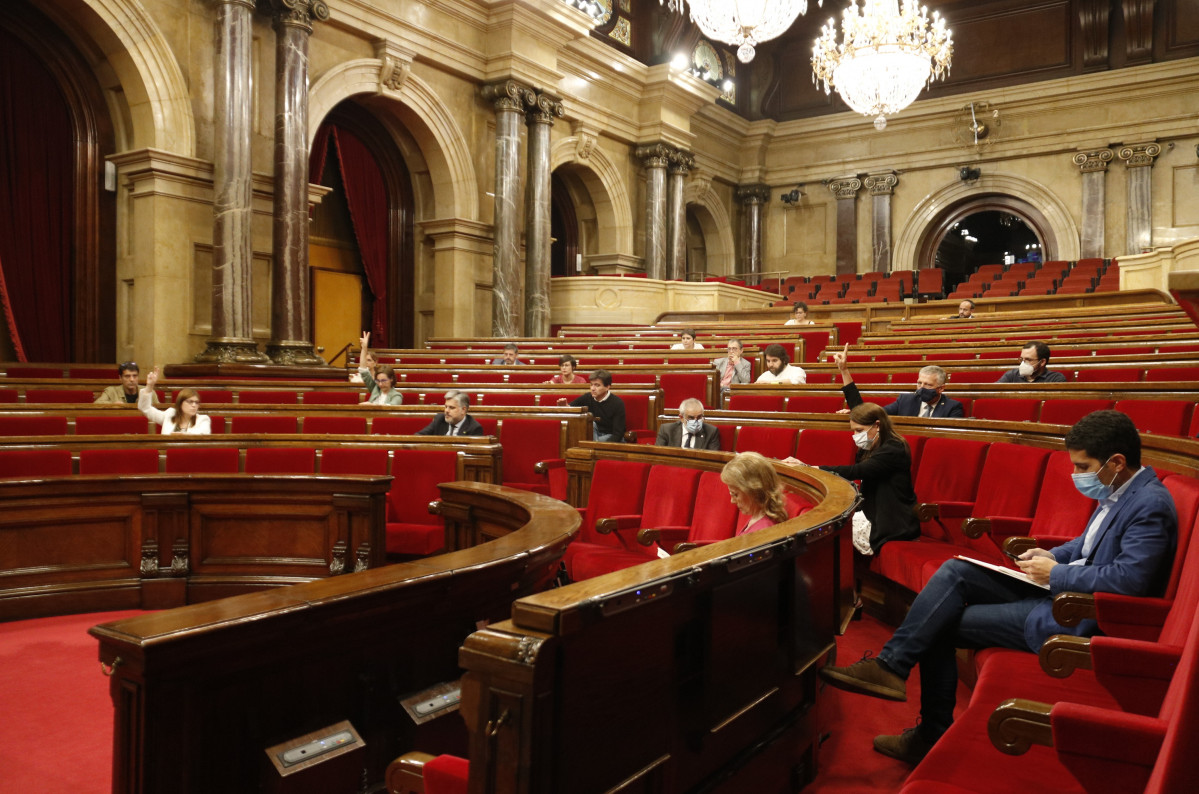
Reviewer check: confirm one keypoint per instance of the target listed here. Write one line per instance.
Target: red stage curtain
(366, 196)
(36, 205)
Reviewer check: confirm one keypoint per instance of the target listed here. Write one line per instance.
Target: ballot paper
(1018, 575)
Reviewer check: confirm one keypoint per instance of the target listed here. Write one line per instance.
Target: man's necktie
(690, 441)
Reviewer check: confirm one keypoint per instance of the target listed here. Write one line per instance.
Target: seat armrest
(544, 466)
(1017, 724)
(1018, 545)
(666, 537)
(976, 527)
(1007, 526)
(927, 511)
(405, 775)
(1070, 609)
(606, 526)
(1062, 654)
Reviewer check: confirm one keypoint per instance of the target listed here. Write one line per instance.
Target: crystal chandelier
(742, 23)
(886, 57)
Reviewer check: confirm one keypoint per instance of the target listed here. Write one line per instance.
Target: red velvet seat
(9, 396)
(508, 398)
(948, 476)
(346, 460)
(1108, 374)
(280, 460)
(202, 460)
(617, 489)
(446, 774)
(480, 378)
(678, 386)
(815, 404)
(32, 463)
(33, 425)
(636, 417)
(337, 425)
(267, 397)
(411, 529)
(59, 395)
(1164, 417)
(118, 461)
(773, 442)
(264, 424)
(331, 398)
(1062, 512)
(818, 447)
(398, 425)
(526, 443)
(1006, 409)
(1067, 412)
(214, 396)
(971, 376)
(1161, 374)
(134, 424)
(529, 377)
(756, 402)
(89, 372)
(427, 376)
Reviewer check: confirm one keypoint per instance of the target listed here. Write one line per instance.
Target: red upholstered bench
(341, 460)
(33, 425)
(331, 398)
(411, 529)
(264, 424)
(280, 460)
(134, 424)
(35, 463)
(758, 402)
(118, 461)
(340, 425)
(202, 460)
(59, 395)
(398, 425)
(773, 442)
(267, 397)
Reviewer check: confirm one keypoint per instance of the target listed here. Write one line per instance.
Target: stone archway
(705, 209)
(1039, 207)
(592, 173)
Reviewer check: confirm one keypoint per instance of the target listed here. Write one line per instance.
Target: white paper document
(1018, 575)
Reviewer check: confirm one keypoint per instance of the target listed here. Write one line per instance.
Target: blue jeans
(962, 606)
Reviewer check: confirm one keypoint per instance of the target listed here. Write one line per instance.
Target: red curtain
(36, 206)
(367, 198)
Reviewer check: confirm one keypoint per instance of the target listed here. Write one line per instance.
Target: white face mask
(1026, 369)
(862, 439)
(694, 425)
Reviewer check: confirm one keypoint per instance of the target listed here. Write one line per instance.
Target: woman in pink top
(755, 488)
(566, 370)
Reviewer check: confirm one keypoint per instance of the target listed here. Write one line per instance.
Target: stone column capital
(1093, 161)
(681, 162)
(544, 109)
(1139, 155)
(509, 95)
(656, 155)
(882, 183)
(299, 13)
(844, 187)
(753, 194)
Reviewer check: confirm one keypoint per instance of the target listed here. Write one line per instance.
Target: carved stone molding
(845, 187)
(1139, 155)
(753, 194)
(396, 64)
(882, 184)
(681, 162)
(544, 110)
(509, 95)
(1093, 161)
(586, 140)
(300, 354)
(300, 13)
(231, 351)
(655, 155)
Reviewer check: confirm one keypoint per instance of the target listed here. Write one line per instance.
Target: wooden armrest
(667, 537)
(606, 526)
(976, 527)
(927, 511)
(544, 466)
(1018, 545)
(405, 775)
(1062, 654)
(1017, 724)
(1070, 609)
(435, 507)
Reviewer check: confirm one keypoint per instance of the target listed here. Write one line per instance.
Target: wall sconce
(794, 196)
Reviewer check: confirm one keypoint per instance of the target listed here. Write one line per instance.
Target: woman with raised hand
(382, 379)
(183, 417)
(755, 488)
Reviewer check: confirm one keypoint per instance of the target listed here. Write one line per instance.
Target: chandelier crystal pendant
(742, 23)
(886, 56)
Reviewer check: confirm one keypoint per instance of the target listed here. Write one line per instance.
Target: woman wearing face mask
(884, 466)
(755, 488)
(183, 417)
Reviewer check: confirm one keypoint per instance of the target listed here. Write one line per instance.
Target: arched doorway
(363, 229)
(57, 233)
(565, 255)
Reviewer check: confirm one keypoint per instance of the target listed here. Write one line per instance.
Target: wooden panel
(991, 42)
(336, 309)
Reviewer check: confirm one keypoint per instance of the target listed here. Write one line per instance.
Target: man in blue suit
(1127, 547)
(928, 400)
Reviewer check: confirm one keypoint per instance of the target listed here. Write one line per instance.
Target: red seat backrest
(1067, 412)
(112, 425)
(1062, 512)
(33, 425)
(202, 460)
(617, 489)
(773, 442)
(525, 443)
(1185, 491)
(398, 425)
(1108, 375)
(263, 424)
(815, 404)
(636, 411)
(509, 398)
(678, 386)
(9, 396)
(340, 425)
(118, 461)
(267, 397)
(529, 377)
(1159, 374)
(1164, 417)
(343, 460)
(1006, 409)
(30, 463)
(757, 402)
(673, 488)
(22, 373)
(280, 460)
(714, 516)
(818, 447)
(417, 474)
(331, 398)
(949, 471)
(219, 396)
(90, 372)
(59, 396)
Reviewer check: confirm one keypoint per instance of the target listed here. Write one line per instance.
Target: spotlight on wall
(968, 174)
(794, 196)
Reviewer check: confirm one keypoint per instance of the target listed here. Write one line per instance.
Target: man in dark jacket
(928, 400)
(690, 432)
(455, 421)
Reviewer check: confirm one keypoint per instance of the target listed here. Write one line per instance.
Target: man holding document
(1126, 547)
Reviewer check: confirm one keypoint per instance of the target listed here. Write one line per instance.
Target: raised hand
(152, 378)
(841, 359)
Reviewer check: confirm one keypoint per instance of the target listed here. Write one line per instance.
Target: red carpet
(56, 716)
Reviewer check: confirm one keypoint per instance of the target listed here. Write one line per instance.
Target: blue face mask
(1090, 486)
(926, 395)
(694, 425)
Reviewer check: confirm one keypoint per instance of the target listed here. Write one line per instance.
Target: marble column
(509, 99)
(655, 159)
(232, 250)
(1139, 231)
(291, 329)
(676, 215)
(881, 186)
(1093, 166)
(537, 216)
(752, 198)
(846, 189)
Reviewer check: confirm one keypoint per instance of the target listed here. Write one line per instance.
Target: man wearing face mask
(1126, 547)
(927, 401)
(1034, 367)
(690, 432)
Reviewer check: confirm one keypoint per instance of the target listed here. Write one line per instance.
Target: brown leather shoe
(908, 746)
(867, 677)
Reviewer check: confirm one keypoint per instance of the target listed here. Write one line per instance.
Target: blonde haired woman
(755, 488)
(183, 417)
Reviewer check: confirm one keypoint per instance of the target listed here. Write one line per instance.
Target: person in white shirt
(779, 368)
(688, 343)
(799, 314)
(183, 417)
